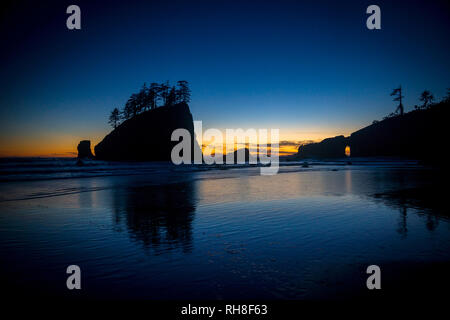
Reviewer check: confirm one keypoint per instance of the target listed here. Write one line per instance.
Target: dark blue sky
(310, 68)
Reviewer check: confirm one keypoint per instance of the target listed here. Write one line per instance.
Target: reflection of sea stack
(160, 216)
(84, 149)
(147, 136)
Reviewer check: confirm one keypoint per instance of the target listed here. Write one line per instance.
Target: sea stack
(84, 149)
(147, 136)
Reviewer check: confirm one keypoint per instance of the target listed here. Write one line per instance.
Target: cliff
(147, 136)
(419, 134)
(328, 148)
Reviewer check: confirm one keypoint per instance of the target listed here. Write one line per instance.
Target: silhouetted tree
(153, 95)
(397, 93)
(148, 98)
(171, 97)
(142, 99)
(164, 92)
(447, 97)
(183, 93)
(127, 112)
(427, 98)
(132, 105)
(114, 118)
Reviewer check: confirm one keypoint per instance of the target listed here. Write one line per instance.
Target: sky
(309, 68)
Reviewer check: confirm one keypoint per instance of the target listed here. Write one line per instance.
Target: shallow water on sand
(218, 234)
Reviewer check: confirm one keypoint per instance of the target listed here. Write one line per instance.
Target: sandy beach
(306, 233)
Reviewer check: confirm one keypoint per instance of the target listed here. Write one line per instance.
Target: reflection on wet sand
(159, 216)
(428, 200)
(297, 235)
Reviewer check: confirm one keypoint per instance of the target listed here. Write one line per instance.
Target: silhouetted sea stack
(419, 134)
(147, 136)
(245, 151)
(84, 149)
(328, 148)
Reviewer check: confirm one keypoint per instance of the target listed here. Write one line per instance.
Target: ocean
(160, 231)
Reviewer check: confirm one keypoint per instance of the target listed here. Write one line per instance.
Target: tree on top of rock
(131, 108)
(114, 118)
(143, 102)
(148, 98)
(183, 92)
(397, 93)
(164, 92)
(171, 97)
(153, 95)
(426, 97)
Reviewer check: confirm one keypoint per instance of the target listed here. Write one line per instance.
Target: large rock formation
(147, 136)
(328, 148)
(84, 149)
(419, 134)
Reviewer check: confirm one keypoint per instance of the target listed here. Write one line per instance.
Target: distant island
(419, 134)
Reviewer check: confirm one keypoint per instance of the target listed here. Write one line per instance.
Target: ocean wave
(26, 169)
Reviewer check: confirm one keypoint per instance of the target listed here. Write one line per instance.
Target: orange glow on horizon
(65, 145)
(43, 146)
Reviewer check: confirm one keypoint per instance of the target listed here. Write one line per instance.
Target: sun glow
(347, 151)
